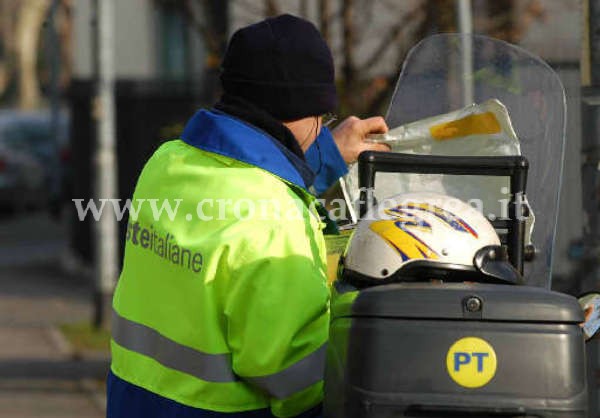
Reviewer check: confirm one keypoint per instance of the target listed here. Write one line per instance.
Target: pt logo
(471, 362)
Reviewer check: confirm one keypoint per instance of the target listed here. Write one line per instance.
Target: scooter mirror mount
(590, 303)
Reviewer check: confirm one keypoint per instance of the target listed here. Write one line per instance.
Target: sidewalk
(47, 399)
(38, 375)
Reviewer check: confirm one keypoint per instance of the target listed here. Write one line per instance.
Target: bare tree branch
(29, 24)
(348, 67)
(190, 14)
(392, 37)
(510, 19)
(385, 86)
(365, 12)
(65, 33)
(8, 18)
(324, 18)
(303, 7)
(425, 15)
(271, 8)
(250, 7)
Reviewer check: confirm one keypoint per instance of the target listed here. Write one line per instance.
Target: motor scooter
(407, 349)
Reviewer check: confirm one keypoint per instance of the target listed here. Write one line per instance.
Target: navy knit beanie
(283, 65)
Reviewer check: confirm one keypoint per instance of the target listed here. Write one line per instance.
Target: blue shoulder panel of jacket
(325, 159)
(218, 132)
(226, 135)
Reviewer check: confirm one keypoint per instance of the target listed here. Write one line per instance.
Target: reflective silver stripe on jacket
(144, 340)
(214, 367)
(295, 378)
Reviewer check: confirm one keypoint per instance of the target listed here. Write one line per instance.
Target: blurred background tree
(369, 48)
(24, 69)
(369, 39)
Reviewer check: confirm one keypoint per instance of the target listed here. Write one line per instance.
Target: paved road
(37, 378)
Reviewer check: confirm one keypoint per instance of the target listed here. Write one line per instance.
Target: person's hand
(350, 136)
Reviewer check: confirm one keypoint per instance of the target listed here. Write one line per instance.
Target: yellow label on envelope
(478, 124)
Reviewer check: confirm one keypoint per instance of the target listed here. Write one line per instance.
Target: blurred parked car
(22, 180)
(35, 162)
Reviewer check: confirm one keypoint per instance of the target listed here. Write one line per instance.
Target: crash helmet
(425, 236)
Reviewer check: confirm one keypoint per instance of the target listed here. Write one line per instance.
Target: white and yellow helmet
(419, 236)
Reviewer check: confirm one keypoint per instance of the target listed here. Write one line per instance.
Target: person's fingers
(367, 146)
(375, 124)
(351, 133)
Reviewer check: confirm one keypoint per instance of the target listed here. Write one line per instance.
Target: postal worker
(222, 307)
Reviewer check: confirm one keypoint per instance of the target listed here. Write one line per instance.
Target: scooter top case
(454, 349)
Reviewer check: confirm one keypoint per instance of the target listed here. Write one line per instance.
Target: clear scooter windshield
(495, 99)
